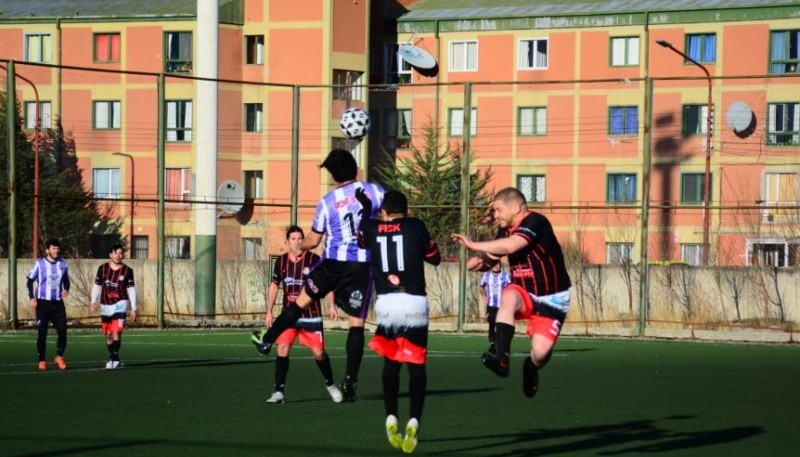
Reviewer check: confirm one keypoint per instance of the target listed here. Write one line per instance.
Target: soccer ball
(354, 123)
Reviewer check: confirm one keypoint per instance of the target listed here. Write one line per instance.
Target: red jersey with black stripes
(292, 275)
(114, 283)
(538, 267)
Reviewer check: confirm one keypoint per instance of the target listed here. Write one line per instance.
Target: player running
(493, 282)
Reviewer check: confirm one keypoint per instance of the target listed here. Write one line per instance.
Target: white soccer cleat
(335, 393)
(410, 440)
(113, 364)
(391, 432)
(109, 365)
(276, 397)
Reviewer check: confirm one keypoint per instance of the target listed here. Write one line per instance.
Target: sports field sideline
(201, 393)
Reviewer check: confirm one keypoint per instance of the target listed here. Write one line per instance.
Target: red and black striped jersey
(399, 247)
(539, 267)
(113, 283)
(291, 274)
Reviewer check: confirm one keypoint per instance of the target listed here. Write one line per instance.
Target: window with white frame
(395, 68)
(692, 253)
(253, 117)
(45, 115)
(621, 188)
(177, 247)
(532, 120)
(178, 184)
(695, 119)
(456, 120)
(624, 51)
(781, 190)
(252, 248)
(776, 252)
(463, 56)
(105, 182)
(253, 184)
(783, 124)
(38, 47)
(702, 47)
(348, 84)
(107, 115)
(179, 120)
(254, 49)
(784, 52)
(532, 187)
(619, 252)
(532, 54)
(140, 247)
(178, 55)
(623, 120)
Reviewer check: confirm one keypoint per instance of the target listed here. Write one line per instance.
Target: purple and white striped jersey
(494, 285)
(338, 216)
(51, 278)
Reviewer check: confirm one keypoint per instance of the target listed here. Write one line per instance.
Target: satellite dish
(739, 116)
(416, 57)
(230, 197)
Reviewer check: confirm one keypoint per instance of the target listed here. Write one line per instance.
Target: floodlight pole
(709, 134)
(133, 174)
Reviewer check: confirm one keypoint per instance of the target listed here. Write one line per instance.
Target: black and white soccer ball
(354, 123)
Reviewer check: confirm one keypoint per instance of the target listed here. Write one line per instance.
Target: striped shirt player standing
(540, 283)
(290, 271)
(493, 282)
(115, 289)
(400, 245)
(52, 287)
(344, 268)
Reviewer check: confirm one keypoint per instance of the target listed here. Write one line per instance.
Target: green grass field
(201, 393)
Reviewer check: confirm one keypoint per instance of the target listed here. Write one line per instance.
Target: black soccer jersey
(399, 248)
(292, 275)
(539, 267)
(114, 283)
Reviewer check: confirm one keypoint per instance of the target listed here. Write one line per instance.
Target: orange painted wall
(285, 46)
(231, 49)
(742, 55)
(143, 50)
(295, 10)
(493, 138)
(139, 112)
(557, 143)
(349, 26)
(83, 56)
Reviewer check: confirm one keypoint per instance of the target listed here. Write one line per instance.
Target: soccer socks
(417, 385)
(324, 366)
(391, 386)
(113, 350)
(503, 335)
(281, 370)
(530, 378)
(286, 319)
(355, 352)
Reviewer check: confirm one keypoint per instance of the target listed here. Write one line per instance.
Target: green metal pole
(644, 240)
(11, 125)
(295, 148)
(465, 191)
(160, 216)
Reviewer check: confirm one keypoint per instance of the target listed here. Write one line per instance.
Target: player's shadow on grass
(634, 437)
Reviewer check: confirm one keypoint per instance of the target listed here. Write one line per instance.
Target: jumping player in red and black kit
(540, 283)
(115, 289)
(399, 246)
(290, 271)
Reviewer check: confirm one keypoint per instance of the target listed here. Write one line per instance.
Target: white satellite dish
(230, 197)
(739, 116)
(416, 57)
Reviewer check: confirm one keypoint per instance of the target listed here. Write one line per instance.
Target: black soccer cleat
(530, 378)
(494, 363)
(492, 349)
(348, 391)
(258, 341)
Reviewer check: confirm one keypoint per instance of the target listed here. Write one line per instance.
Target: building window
(106, 115)
(254, 49)
(348, 85)
(395, 68)
(773, 252)
(179, 120)
(783, 124)
(463, 55)
(398, 129)
(695, 119)
(178, 52)
(140, 247)
(623, 120)
(532, 54)
(253, 117)
(693, 188)
(532, 187)
(253, 248)
(692, 254)
(354, 146)
(624, 51)
(532, 121)
(781, 189)
(106, 47)
(619, 252)
(457, 122)
(253, 184)
(105, 182)
(45, 115)
(784, 52)
(702, 47)
(178, 184)
(621, 188)
(38, 48)
(176, 247)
